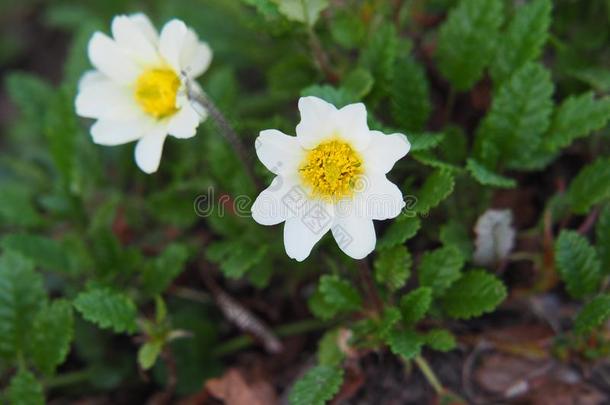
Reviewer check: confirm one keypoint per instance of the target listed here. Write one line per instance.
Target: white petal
(117, 132)
(195, 56)
(147, 28)
(130, 37)
(355, 236)
(302, 233)
(149, 149)
(351, 125)
(317, 121)
(280, 153)
(379, 198)
(111, 60)
(170, 44)
(277, 202)
(100, 97)
(385, 150)
(184, 123)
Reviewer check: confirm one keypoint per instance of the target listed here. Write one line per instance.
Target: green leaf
(51, 335)
(379, 55)
(415, 304)
(440, 339)
(424, 140)
(487, 177)
(268, 8)
(358, 83)
(436, 188)
(22, 295)
(593, 314)
(340, 293)
(390, 317)
(318, 385)
(399, 231)
(338, 97)
(597, 77)
(44, 252)
(575, 118)
(475, 293)
(148, 353)
(410, 96)
(24, 389)
(329, 353)
(16, 206)
(406, 344)
(511, 133)
(108, 309)
(590, 186)
(319, 307)
(455, 234)
(467, 40)
(305, 11)
(161, 272)
(440, 268)
(602, 238)
(31, 95)
(577, 264)
(524, 39)
(393, 267)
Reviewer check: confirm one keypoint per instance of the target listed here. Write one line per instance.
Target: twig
(427, 371)
(588, 223)
(200, 97)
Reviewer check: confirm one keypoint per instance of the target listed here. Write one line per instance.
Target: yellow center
(331, 170)
(156, 91)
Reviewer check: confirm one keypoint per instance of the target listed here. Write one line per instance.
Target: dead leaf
(234, 389)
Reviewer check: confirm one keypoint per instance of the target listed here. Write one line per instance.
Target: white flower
(495, 237)
(137, 92)
(331, 176)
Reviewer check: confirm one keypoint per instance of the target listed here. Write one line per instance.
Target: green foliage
(575, 118)
(401, 230)
(424, 140)
(511, 133)
(525, 36)
(440, 339)
(329, 353)
(590, 186)
(602, 238)
(107, 308)
(454, 233)
(24, 389)
(436, 188)
(410, 98)
(148, 353)
(317, 386)
(487, 177)
(415, 304)
(160, 273)
(593, 314)
(475, 293)
(440, 268)
(21, 297)
(305, 11)
(51, 335)
(405, 343)
(43, 251)
(393, 267)
(379, 55)
(339, 293)
(467, 40)
(577, 264)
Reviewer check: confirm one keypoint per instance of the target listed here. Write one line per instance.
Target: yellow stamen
(331, 170)
(156, 91)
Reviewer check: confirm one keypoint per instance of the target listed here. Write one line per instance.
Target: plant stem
(427, 371)
(290, 329)
(71, 378)
(200, 97)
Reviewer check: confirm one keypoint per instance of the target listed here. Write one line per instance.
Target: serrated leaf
(455, 234)
(108, 309)
(575, 118)
(577, 264)
(340, 293)
(435, 189)
(379, 55)
(318, 385)
(425, 140)
(593, 314)
(487, 177)
(475, 293)
(148, 354)
(590, 186)
(319, 307)
(329, 353)
(467, 40)
(511, 133)
(440, 339)
(304, 11)
(410, 96)
(358, 83)
(43, 251)
(406, 344)
(393, 267)
(428, 159)
(22, 295)
(51, 335)
(602, 238)
(399, 231)
(524, 39)
(415, 304)
(158, 275)
(24, 389)
(440, 268)
(390, 317)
